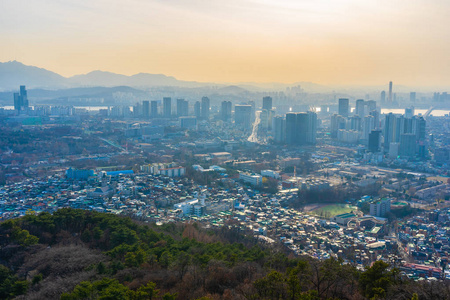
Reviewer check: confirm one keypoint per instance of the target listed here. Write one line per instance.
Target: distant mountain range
(14, 73)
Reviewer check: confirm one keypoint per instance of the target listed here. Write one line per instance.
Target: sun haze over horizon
(324, 41)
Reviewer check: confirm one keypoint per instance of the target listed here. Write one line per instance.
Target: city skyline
(326, 42)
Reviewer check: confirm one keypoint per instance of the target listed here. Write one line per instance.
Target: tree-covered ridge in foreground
(76, 254)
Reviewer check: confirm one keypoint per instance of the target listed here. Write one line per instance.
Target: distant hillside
(13, 74)
(108, 79)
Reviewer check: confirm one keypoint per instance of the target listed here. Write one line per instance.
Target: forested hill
(76, 254)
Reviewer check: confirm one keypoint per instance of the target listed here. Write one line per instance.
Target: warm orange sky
(362, 42)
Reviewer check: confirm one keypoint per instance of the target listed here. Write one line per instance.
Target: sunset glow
(328, 42)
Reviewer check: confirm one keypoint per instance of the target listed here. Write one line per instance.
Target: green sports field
(333, 209)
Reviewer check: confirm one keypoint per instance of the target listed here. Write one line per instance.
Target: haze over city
(342, 42)
(226, 150)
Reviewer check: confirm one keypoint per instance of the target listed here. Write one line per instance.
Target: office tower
(436, 97)
(205, 108)
(367, 127)
(182, 107)
(197, 109)
(264, 119)
(301, 128)
(154, 109)
(225, 111)
(337, 122)
(371, 105)
(167, 107)
(383, 97)
(24, 95)
(267, 103)
(312, 128)
(398, 128)
(376, 115)
(21, 99)
(407, 145)
(17, 101)
(242, 116)
(343, 107)
(389, 128)
(126, 111)
(420, 128)
(355, 123)
(279, 129)
(409, 112)
(390, 93)
(359, 109)
(408, 125)
(374, 141)
(412, 97)
(137, 110)
(146, 109)
(116, 111)
(253, 112)
(291, 128)
(394, 150)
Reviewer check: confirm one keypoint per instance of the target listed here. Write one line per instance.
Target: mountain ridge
(14, 73)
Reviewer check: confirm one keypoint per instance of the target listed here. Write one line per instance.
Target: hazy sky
(365, 42)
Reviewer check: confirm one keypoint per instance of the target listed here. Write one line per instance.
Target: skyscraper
(137, 110)
(343, 107)
(368, 125)
(312, 128)
(154, 109)
(390, 93)
(182, 107)
(267, 103)
(337, 122)
(24, 95)
(409, 112)
(21, 99)
(167, 107)
(374, 140)
(355, 123)
(197, 109)
(383, 97)
(412, 97)
(301, 128)
(376, 116)
(359, 109)
(242, 116)
(389, 130)
(291, 129)
(225, 111)
(205, 108)
(420, 127)
(146, 108)
(371, 105)
(253, 114)
(407, 145)
(279, 129)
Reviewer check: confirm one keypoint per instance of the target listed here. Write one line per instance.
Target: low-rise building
(253, 179)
